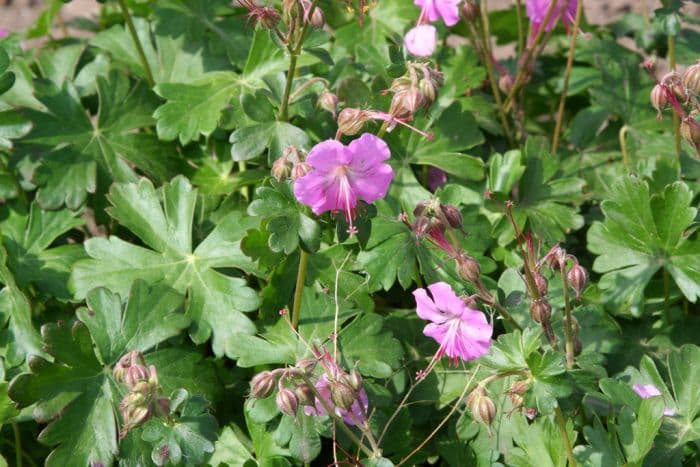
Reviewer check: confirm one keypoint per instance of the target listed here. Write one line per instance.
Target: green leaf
(163, 221)
(232, 448)
(684, 371)
(15, 313)
(188, 440)
(13, 125)
(286, 219)
(637, 435)
(194, 109)
(363, 343)
(249, 142)
(511, 351)
(74, 392)
(641, 234)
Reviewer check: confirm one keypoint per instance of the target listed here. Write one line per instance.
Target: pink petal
(449, 10)
(425, 307)
(446, 299)
(646, 391)
(439, 332)
(327, 155)
(369, 176)
(420, 41)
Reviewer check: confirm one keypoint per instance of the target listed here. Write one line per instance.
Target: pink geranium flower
(4, 33)
(341, 175)
(645, 391)
(432, 10)
(537, 11)
(420, 40)
(461, 332)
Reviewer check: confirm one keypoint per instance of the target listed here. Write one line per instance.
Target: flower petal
(421, 40)
(446, 299)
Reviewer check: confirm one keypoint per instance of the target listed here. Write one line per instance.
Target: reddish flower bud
(305, 394)
(351, 121)
(520, 387)
(355, 379)
(342, 394)
(281, 169)
(468, 268)
(658, 99)
(307, 365)
(691, 78)
(452, 214)
(136, 374)
(674, 82)
(470, 11)
(328, 102)
(690, 128)
(481, 406)
(578, 278)
(287, 402)
(541, 284)
(262, 384)
(405, 103)
(505, 83)
(318, 19)
(299, 170)
(540, 310)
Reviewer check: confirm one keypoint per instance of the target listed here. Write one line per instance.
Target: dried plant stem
(299, 287)
(567, 76)
(569, 322)
(565, 435)
(676, 118)
(522, 71)
(137, 41)
(467, 388)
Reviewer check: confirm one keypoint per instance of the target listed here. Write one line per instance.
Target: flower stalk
(299, 286)
(569, 324)
(137, 42)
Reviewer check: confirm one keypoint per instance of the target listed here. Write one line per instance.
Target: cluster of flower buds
(415, 90)
(680, 93)
(295, 14)
(334, 389)
(143, 399)
(517, 392)
(290, 165)
(328, 102)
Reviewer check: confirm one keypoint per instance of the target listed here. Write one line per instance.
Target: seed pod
(453, 216)
(691, 79)
(351, 121)
(578, 278)
(468, 269)
(262, 384)
(541, 284)
(540, 310)
(342, 394)
(658, 100)
(287, 402)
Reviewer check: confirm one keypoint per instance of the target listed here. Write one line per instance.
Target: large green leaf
(73, 391)
(642, 233)
(163, 221)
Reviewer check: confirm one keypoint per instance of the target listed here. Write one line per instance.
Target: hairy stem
(569, 323)
(299, 287)
(137, 41)
(565, 435)
(567, 75)
(676, 118)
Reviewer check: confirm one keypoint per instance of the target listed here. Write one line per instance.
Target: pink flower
(460, 331)
(420, 40)
(356, 415)
(645, 391)
(340, 175)
(436, 178)
(537, 11)
(4, 33)
(432, 10)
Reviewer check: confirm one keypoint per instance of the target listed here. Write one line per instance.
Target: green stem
(565, 435)
(522, 72)
(676, 118)
(137, 41)
(569, 324)
(567, 75)
(521, 29)
(339, 421)
(242, 167)
(623, 145)
(288, 88)
(667, 294)
(18, 443)
(299, 287)
(382, 129)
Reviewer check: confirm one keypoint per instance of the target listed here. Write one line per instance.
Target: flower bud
(406, 103)
(519, 387)
(690, 128)
(516, 400)
(541, 284)
(287, 402)
(162, 407)
(658, 99)
(262, 384)
(281, 169)
(468, 269)
(328, 102)
(351, 121)
(470, 11)
(318, 19)
(342, 394)
(299, 170)
(268, 17)
(555, 257)
(505, 83)
(578, 278)
(307, 365)
(674, 82)
(305, 394)
(355, 379)
(540, 310)
(487, 410)
(691, 79)
(452, 214)
(135, 374)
